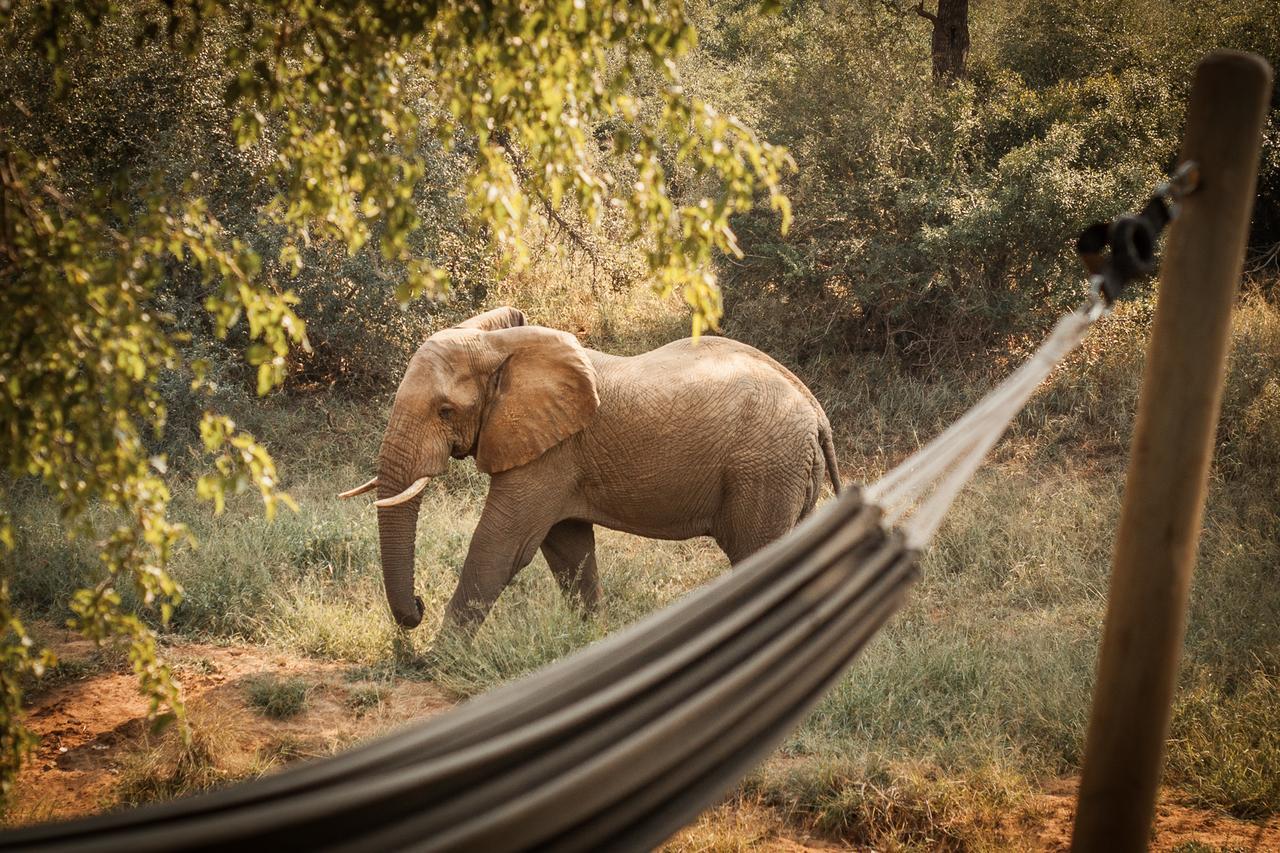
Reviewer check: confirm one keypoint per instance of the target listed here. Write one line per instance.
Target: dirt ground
(93, 733)
(1177, 827)
(92, 727)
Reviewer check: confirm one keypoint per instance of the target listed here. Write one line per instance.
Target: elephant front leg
(570, 550)
(504, 542)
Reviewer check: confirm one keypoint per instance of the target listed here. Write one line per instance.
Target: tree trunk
(8, 175)
(950, 42)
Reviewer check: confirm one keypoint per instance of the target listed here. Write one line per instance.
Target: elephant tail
(829, 454)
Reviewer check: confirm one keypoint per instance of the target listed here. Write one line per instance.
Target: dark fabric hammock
(615, 747)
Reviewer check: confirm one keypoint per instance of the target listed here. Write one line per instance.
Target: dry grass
(278, 698)
(974, 695)
(886, 805)
(167, 766)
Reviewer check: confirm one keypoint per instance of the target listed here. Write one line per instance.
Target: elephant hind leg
(752, 519)
(740, 543)
(764, 505)
(817, 476)
(570, 550)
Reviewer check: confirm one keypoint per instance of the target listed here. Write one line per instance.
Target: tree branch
(548, 210)
(928, 16)
(553, 215)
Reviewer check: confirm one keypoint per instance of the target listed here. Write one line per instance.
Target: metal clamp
(1124, 249)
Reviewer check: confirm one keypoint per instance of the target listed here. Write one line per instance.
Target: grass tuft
(174, 768)
(361, 700)
(1225, 746)
(278, 698)
(879, 804)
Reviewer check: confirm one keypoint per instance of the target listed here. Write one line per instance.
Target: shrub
(939, 222)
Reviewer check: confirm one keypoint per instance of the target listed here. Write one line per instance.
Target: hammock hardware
(1131, 239)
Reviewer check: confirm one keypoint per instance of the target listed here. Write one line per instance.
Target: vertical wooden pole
(1169, 459)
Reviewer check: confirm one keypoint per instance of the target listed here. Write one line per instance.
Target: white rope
(947, 463)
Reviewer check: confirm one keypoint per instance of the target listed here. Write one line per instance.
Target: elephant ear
(543, 392)
(505, 317)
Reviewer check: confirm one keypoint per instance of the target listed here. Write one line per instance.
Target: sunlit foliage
(337, 111)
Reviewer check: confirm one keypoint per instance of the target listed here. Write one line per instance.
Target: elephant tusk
(407, 495)
(360, 490)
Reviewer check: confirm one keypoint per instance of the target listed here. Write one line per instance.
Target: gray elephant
(712, 438)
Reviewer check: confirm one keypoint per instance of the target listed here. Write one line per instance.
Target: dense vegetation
(929, 244)
(145, 144)
(937, 220)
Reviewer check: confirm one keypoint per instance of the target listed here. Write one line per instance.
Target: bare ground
(93, 733)
(93, 727)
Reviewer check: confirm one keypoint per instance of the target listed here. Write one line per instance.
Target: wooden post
(1169, 459)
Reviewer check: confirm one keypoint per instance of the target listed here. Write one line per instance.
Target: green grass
(1225, 746)
(278, 698)
(974, 695)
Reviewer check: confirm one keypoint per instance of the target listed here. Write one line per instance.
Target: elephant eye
(446, 411)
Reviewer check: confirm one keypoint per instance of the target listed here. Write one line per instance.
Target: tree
(950, 42)
(332, 102)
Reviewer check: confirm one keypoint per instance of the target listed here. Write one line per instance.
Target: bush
(939, 222)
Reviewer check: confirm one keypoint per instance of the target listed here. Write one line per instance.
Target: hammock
(624, 742)
(619, 745)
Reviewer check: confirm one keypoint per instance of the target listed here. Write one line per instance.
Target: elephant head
(492, 388)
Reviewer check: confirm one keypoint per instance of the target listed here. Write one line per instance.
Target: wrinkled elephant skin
(707, 439)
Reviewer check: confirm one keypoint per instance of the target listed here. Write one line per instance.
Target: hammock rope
(620, 744)
(944, 466)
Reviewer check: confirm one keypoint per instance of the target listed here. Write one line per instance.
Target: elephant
(696, 438)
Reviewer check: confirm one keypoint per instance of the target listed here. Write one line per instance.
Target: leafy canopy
(556, 105)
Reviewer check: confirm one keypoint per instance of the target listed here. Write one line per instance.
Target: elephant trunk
(397, 526)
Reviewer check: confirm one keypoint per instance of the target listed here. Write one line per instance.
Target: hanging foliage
(334, 104)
